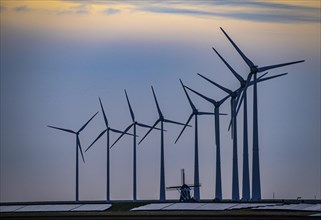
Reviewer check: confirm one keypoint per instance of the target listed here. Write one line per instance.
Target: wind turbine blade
(239, 104)
(79, 146)
(188, 120)
(158, 109)
(193, 186)
(146, 126)
(101, 134)
(217, 85)
(268, 78)
(62, 129)
(247, 60)
(82, 128)
(232, 115)
(239, 78)
(239, 93)
(120, 132)
(189, 99)
(124, 132)
(102, 109)
(261, 69)
(205, 113)
(173, 187)
(130, 108)
(204, 97)
(262, 75)
(174, 122)
(223, 100)
(242, 97)
(149, 131)
(229, 126)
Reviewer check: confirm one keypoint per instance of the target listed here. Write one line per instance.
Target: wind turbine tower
(78, 148)
(235, 174)
(133, 124)
(161, 120)
(195, 113)
(107, 131)
(218, 179)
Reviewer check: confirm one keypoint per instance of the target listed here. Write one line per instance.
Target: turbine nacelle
(254, 69)
(195, 111)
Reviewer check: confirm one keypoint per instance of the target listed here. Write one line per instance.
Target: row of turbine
(238, 97)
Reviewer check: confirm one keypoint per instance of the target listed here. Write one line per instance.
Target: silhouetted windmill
(78, 147)
(133, 124)
(161, 119)
(216, 104)
(107, 131)
(184, 189)
(194, 113)
(254, 69)
(234, 95)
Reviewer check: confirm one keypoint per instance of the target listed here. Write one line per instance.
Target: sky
(58, 57)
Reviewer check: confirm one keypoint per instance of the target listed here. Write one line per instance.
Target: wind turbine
(162, 120)
(216, 104)
(254, 69)
(107, 131)
(246, 176)
(235, 174)
(78, 147)
(133, 124)
(194, 113)
(246, 183)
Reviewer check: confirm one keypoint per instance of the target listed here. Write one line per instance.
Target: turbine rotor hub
(254, 69)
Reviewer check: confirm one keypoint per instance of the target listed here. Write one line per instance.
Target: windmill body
(254, 69)
(78, 148)
(161, 120)
(184, 189)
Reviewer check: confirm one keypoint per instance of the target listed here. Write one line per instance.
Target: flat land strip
(121, 211)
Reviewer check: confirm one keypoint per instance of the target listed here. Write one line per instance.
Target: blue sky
(58, 57)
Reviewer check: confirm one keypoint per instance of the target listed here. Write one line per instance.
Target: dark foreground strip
(171, 215)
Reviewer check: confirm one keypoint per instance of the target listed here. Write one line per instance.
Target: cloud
(252, 10)
(168, 10)
(22, 8)
(276, 12)
(81, 9)
(111, 11)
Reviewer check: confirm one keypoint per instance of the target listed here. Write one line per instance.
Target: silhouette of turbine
(78, 147)
(194, 113)
(235, 178)
(246, 176)
(237, 93)
(161, 119)
(254, 69)
(235, 174)
(107, 131)
(133, 124)
(216, 104)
